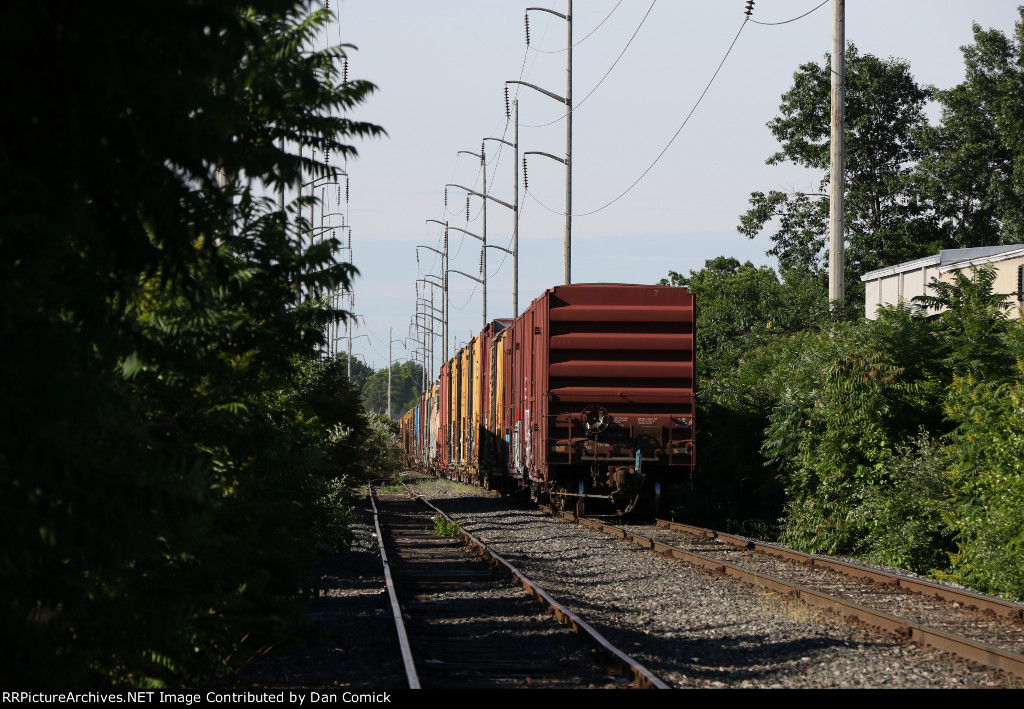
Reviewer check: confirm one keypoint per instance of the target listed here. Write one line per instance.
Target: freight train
(586, 399)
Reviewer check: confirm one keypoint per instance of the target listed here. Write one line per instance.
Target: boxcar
(587, 396)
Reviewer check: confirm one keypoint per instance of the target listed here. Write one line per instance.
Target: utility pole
(567, 100)
(483, 249)
(485, 198)
(836, 266)
(390, 364)
(567, 245)
(444, 286)
(435, 314)
(515, 214)
(515, 207)
(389, 371)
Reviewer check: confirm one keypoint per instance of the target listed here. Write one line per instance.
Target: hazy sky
(441, 66)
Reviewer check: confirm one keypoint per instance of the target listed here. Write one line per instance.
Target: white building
(888, 286)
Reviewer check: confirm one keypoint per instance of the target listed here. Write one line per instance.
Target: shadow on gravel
(729, 660)
(333, 651)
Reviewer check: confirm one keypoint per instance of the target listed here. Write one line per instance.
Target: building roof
(952, 259)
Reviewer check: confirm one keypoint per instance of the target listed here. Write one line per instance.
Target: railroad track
(986, 630)
(461, 625)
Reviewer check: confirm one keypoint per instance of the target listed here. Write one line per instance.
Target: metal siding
(629, 348)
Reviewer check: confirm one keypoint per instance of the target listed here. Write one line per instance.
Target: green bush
(906, 520)
(987, 469)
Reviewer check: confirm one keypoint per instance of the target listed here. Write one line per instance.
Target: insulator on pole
(508, 114)
(526, 20)
(526, 181)
(338, 199)
(327, 155)
(482, 153)
(346, 189)
(344, 72)
(446, 198)
(750, 8)
(467, 208)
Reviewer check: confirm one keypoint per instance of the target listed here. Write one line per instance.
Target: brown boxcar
(599, 393)
(588, 395)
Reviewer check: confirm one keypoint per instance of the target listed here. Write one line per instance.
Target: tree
(406, 378)
(972, 319)
(987, 477)
(973, 173)
(360, 372)
(158, 498)
(885, 220)
(739, 304)
(743, 316)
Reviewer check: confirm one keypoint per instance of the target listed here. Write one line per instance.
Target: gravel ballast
(694, 629)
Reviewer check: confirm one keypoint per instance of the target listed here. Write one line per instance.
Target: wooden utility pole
(836, 267)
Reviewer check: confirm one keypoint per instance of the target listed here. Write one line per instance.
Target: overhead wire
(445, 211)
(590, 93)
(784, 22)
(576, 44)
(665, 149)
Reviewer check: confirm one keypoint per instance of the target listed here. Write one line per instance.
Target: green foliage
(168, 450)
(360, 372)
(742, 306)
(972, 172)
(885, 220)
(987, 514)
(832, 421)
(906, 520)
(379, 449)
(743, 316)
(445, 529)
(972, 321)
(851, 400)
(406, 378)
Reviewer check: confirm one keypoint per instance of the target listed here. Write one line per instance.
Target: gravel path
(696, 630)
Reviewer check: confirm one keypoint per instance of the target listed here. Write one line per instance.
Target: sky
(441, 66)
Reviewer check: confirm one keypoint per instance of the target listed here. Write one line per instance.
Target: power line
(665, 149)
(471, 294)
(792, 20)
(576, 44)
(581, 102)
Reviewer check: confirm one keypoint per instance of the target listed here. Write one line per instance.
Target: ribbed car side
(587, 397)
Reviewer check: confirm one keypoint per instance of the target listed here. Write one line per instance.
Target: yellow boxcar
(477, 408)
(497, 394)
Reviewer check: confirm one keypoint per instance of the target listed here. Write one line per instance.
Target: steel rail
(930, 589)
(642, 677)
(979, 652)
(396, 609)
